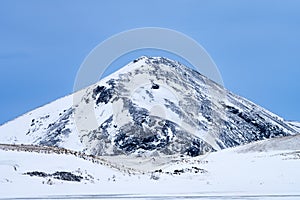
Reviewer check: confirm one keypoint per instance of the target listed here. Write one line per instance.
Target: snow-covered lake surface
(166, 197)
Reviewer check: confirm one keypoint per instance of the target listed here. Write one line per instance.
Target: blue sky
(255, 45)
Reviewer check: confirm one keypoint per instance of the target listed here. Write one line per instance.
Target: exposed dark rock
(57, 130)
(155, 86)
(65, 176)
(36, 173)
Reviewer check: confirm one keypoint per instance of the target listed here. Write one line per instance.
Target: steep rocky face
(151, 106)
(160, 106)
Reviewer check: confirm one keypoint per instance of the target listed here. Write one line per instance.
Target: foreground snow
(236, 171)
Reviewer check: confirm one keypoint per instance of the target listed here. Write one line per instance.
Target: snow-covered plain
(227, 173)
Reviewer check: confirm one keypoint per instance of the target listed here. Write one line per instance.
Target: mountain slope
(151, 106)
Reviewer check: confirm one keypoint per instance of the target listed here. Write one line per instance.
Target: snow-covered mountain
(140, 132)
(152, 106)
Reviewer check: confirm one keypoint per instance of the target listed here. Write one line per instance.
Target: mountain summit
(152, 106)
